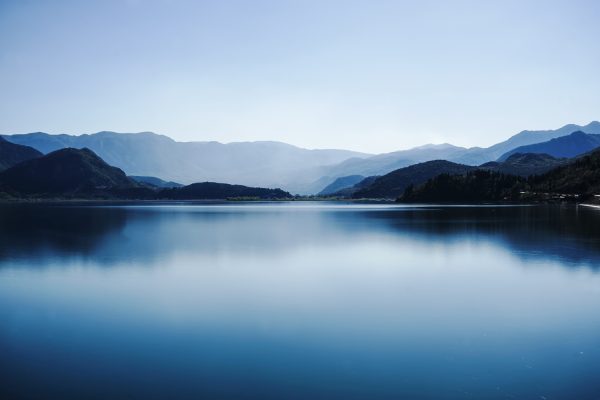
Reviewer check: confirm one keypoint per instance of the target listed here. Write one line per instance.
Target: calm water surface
(299, 301)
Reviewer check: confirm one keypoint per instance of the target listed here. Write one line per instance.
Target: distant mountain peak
(436, 146)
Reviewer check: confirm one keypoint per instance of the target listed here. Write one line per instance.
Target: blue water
(299, 301)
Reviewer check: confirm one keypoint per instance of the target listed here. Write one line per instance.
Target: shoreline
(56, 201)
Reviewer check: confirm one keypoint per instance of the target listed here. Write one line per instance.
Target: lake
(299, 301)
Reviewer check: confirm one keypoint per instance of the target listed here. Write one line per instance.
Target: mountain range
(382, 164)
(81, 174)
(562, 147)
(477, 156)
(275, 164)
(579, 179)
(393, 184)
(267, 164)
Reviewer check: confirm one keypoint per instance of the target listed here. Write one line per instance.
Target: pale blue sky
(366, 75)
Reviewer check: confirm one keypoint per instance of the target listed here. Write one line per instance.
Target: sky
(372, 75)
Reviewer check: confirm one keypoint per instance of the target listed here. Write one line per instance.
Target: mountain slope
(383, 163)
(580, 176)
(12, 154)
(349, 191)
(220, 191)
(341, 183)
(393, 184)
(473, 187)
(266, 164)
(65, 172)
(525, 164)
(155, 182)
(572, 145)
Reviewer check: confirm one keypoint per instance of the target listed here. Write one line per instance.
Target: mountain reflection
(43, 235)
(567, 234)
(32, 231)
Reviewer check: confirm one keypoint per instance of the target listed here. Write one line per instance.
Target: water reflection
(43, 232)
(568, 234)
(298, 301)
(143, 234)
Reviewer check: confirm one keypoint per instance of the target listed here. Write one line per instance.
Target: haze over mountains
(265, 164)
(279, 165)
(80, 174)
(384, 163)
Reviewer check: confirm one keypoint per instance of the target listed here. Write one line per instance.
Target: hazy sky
(366, 75)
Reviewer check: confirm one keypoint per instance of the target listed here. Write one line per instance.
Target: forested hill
(473, 187)
(580, 179)
(214, 190)
(393, 184)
